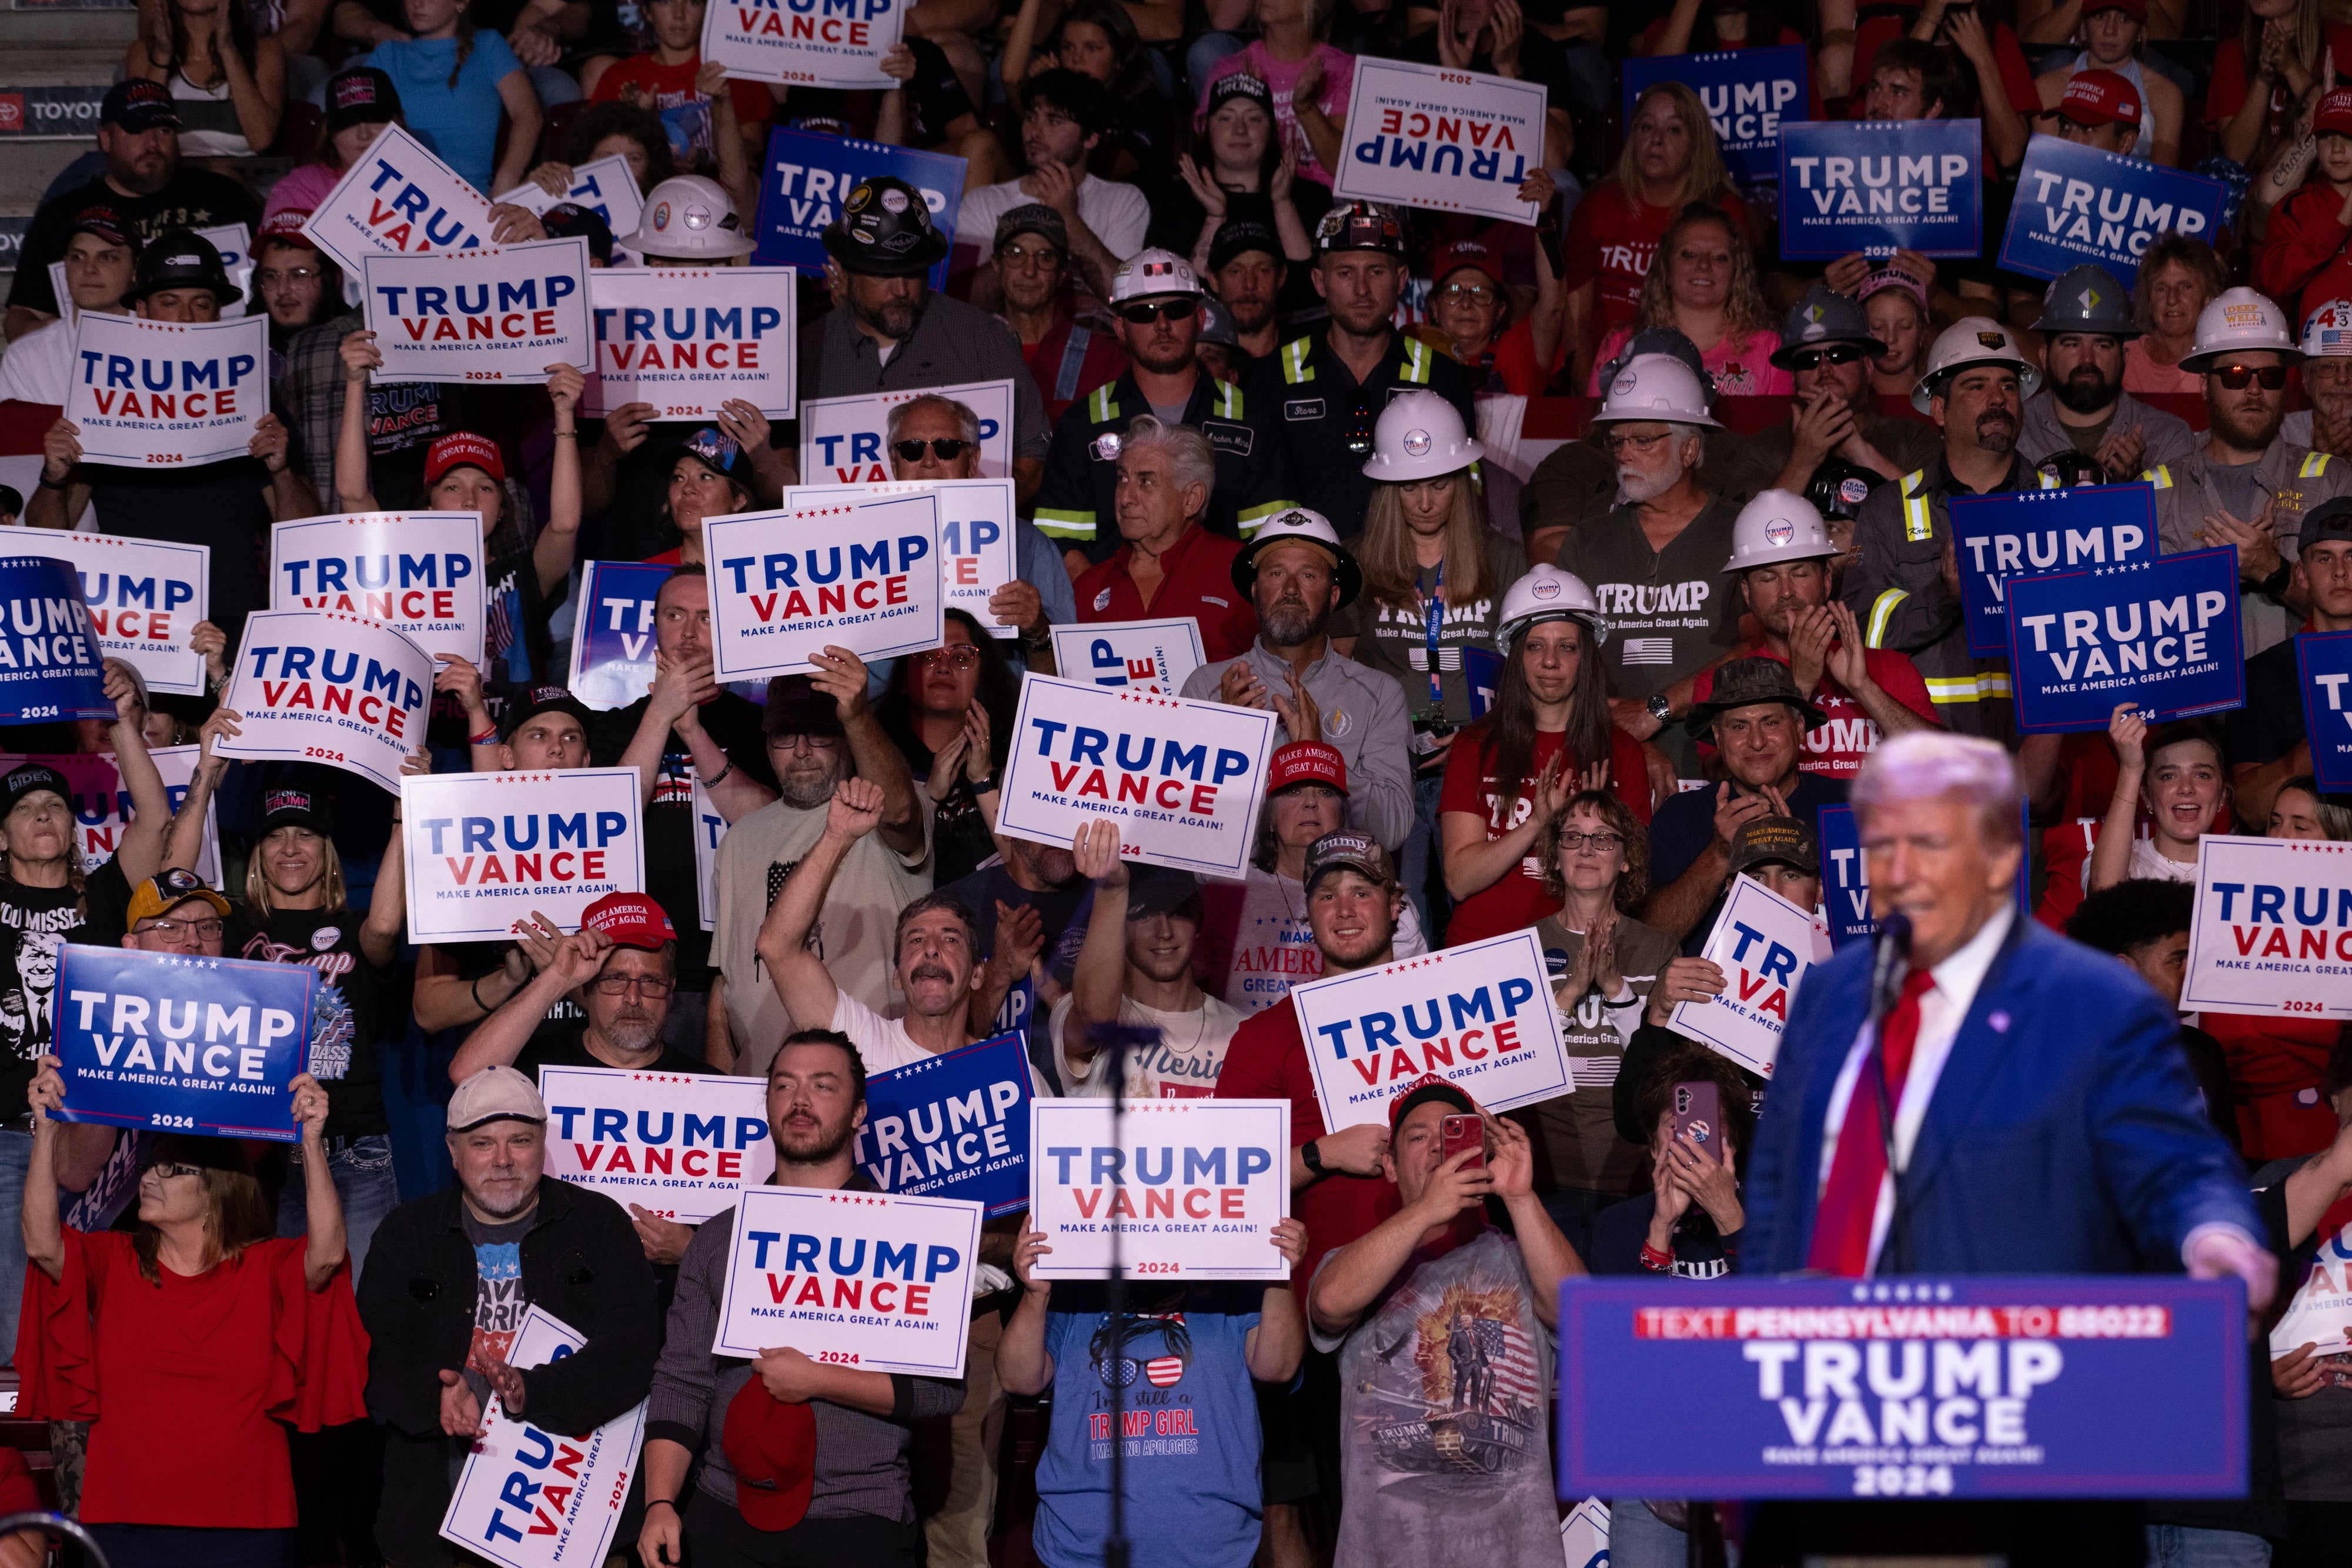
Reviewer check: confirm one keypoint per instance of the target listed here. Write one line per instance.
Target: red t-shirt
(672, 87)
(1517, 900)
(2276, 1067)
(1267, 1060)
(1835, 749)
(2227, 93)
(1614, 237)
(1197, 580)
(1522, 374)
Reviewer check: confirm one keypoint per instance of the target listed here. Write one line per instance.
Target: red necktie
(1850, 1202)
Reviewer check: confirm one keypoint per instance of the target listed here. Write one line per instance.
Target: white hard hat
(1297, 525)
(690, 217)
(2328, 330)
(1420, 436)
(1655, 386)
(1547, 593)
(2239, 321)
(1974, 340)
(1149, 274)
(1777, 525)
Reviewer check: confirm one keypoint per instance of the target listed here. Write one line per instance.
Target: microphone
(1892, 957)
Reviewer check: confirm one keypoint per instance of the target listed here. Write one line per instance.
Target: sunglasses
(1144, 313)
(946, 449)
(1813, 359)
(2235, 377)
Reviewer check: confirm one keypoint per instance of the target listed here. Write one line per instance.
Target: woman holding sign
(190, 1342)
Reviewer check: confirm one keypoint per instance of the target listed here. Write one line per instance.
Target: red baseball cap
(2333, 114)
(1302, 761)
(1428, 1086)
(2100, 98)
(2136, 10)
(285, 227)
(460, 448)
(772, 1447)
(631, 920)
(1464, 253)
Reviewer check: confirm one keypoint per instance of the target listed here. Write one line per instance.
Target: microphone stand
(1890, 960)
(1116, 1040)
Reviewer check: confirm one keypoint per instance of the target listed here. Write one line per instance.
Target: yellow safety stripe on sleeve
(2049, 481)
(1295, 368)
(1229, 401)
(1416, 361)
(1988, 687)
(1913, 480)
(1882, 609)
(1064, 525)
(1100, 409)
(2161, 476)
(1254, 519)
(1919, 519)
(2314, 465)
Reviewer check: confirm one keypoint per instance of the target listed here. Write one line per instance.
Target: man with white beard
(1655, 561)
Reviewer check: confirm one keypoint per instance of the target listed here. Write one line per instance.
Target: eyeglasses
(168, 1171)
(1028, 257)
(2235, 377)
(813, 742)
(1144, 312)
(615, 985)
(946, 449)
(269, 275)
(1617, 444)
(963, 656)
(1598, 843)
(1813, 358)
(201, 930)
(1472, 293)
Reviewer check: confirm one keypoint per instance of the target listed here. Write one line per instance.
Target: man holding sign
(2292, 696)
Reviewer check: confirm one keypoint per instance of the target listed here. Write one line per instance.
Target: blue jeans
(15, 1159)
(1639, 1538)
(2183, 1546)
(362, 1169)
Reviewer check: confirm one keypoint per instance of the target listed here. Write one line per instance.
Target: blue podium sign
(2163, 634)
(2323, 663)
(1983, 1386)
(2023, 533)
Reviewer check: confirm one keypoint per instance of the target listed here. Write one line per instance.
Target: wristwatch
(1309, 1157)
(1660, 708)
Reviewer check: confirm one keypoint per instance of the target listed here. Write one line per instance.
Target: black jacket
(582, 1261)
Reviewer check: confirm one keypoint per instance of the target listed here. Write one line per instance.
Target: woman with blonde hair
(1671, 161)
(1703, 285)
(1433, 580)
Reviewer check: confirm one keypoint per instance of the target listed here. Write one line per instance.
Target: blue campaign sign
(2018, 533)
(954, 1126)
(807, 177)
(2077, 204)
(1846, 881)
(1880, 185)
(2323, 662)
(1746, 92)
(2125, 1385)
(51, 666)
(2162, 633)
(612, 636)
(1482, 671)
(165, 1043)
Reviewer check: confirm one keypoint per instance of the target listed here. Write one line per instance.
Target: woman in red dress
(187, 1341)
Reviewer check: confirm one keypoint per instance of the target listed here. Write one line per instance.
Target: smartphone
(1698, 1113)
(1460, 1133)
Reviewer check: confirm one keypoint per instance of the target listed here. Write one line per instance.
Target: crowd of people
(1579, 698)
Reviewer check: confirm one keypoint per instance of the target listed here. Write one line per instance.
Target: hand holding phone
(1698, 1110)
(1456, 1134)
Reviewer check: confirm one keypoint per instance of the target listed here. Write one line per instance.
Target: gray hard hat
(1823, 317)
(2088, 299)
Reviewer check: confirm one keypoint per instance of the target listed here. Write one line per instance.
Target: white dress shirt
(1941, 1010)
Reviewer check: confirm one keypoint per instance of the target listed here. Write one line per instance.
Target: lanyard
(1434, 621)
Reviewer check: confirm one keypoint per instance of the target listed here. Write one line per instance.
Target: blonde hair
(1703, 179)
(1392, 572)
(1744, 309)
(256, 880)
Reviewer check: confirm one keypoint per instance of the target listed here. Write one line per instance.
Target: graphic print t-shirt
(347, 1010)
(1441, 1415)
(499, 1303)
(34, 922)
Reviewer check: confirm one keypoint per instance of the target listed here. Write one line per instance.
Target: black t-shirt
(223, 505)
(2270, 724)
(1685, 826)
(734, 723)
(34, 922)
(193, 199)
(564, 1044)
(329, 942)
(983, 889)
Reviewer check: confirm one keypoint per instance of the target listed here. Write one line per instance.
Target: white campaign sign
(1584, 1534)
(313, 685)
(709, 832)
(503, 313)
(101, 802)
(486, 852)
(2271, 932)
(1190, 1188)
(1183, 780)
(398, 199)
(860, 1278)
(805, 43)
(976, 518)
(1130, 655)
(147, 395)
(679, 1145)
(145, 597)
(235, 243)
(604, 187)
(1764, 944)
(858, 574)
(534, 1498)
(1480, 1016)
(1424, 136)
(420, 571)
(689, 339)
(841, 437)
(2321, 1312)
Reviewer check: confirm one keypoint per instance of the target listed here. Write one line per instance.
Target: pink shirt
(2144, 376)
(1741, 367)
(1338, 73)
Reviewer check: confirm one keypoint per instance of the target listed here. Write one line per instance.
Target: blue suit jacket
(2065, 1134)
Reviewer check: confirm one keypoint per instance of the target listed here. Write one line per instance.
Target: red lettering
(848, 1292)
(967, 570)
(587, 1154)
(918, 1300)
(730, 1167)
(874, 1297)
(1229, 1203)
(692, 1162)
(778, 1288)
(1191, 1212)
(1204, 799)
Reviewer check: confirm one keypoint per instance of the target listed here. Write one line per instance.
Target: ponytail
(465, 48)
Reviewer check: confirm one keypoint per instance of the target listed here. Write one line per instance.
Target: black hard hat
(1838, 487)
(885, 231)
(2066, 468)
(179, 258)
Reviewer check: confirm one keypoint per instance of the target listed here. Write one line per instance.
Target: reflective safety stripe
(1919, 519)
(1988, 687)
(1913, 480)
(1100, 409)
(2314, 465)
(1295, 368)
(1065, 525)
(2049, 481)
(1229, 401)
(1882, 611)
(1416, 361)
(1254, 517)
(2161, 476)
